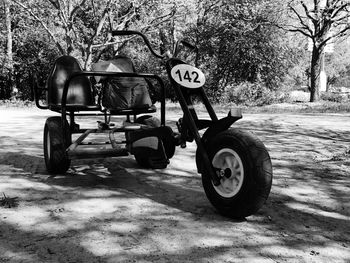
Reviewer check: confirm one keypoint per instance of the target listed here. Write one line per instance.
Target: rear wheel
(244, 167)
(56, 158)
(151, 121)
(143, 159)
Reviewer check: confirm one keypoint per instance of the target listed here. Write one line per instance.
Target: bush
(16, 103)
(334, 97)
(299, 96)
(253, 94)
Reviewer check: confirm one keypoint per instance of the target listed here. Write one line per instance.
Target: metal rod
(208, 106)
(110, 74)
(81, 138)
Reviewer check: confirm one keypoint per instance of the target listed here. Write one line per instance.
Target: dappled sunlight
(100, 244)
(110, 210)
(307, 209)
(17, 256)
(28, 218)
(121, 228)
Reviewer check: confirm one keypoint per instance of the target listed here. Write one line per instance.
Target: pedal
(179, 141)
(185, 134)
(102, 126)
(76, 127)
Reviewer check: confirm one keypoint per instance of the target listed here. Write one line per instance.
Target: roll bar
(185, 44)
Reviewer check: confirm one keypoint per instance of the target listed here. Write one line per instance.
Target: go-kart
(234, 164)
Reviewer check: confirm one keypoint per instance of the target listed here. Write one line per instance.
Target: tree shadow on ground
(185, 194)
(304, 170)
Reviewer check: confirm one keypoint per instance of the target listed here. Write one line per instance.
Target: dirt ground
(110, 210)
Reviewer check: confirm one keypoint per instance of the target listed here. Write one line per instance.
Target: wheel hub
(225, 173)
(230, 171)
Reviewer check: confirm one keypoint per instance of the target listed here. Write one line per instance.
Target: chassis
(234, 164)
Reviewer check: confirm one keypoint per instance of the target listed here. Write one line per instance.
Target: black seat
(80, 94)
(124, 95)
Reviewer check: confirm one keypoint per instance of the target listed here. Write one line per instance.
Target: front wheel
(244, 167)
(56, 158)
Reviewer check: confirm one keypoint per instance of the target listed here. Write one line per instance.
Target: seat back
(123, 92)
(80, 90)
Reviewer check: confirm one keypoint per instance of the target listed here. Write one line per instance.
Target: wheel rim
(229, 167)
(48, 146)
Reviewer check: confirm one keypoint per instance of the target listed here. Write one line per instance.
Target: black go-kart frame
(234, 164)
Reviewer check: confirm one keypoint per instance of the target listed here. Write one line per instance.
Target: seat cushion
(121, 93)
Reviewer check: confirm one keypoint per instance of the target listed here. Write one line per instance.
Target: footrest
(96, 153)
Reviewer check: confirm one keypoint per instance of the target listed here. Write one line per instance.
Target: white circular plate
(188, 76)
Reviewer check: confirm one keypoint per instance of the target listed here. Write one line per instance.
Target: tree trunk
(315, 75)
(88, 59)
(9, 54)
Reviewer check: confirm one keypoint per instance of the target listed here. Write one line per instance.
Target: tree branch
(75, 10)
(29, 11)
(301, 20)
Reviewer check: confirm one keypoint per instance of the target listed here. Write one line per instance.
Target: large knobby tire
(56, 158)
(245, 169)
(142, 161)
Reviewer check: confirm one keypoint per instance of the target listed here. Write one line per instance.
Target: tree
(67, 23)
(86, 25)
(237, 43)
(8, 67)
(80, 28)
(338, 64)
(322, 22)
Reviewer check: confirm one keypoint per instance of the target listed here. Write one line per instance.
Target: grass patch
(292, 107)
(305, 107)
(8, 202)
(15, 103)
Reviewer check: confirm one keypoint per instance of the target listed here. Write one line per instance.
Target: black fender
(215, 128)
(221, 125)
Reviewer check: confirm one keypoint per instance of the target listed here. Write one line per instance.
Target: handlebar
(185, 44)
(132, 32)
(148, 44)
(188, 45)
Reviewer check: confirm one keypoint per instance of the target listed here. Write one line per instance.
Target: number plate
(188, 76)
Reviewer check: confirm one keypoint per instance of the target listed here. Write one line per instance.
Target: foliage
(245, 57)
(334, 97)
(253, 94)
(16, 103)
(337, 65)
(322, 22)
(237, 44)
(299, 96)
(33, 53)
(36, 54)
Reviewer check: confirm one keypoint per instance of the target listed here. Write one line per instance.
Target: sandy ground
(110, 210)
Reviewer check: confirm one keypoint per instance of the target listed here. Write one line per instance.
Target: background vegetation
(249, 50)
